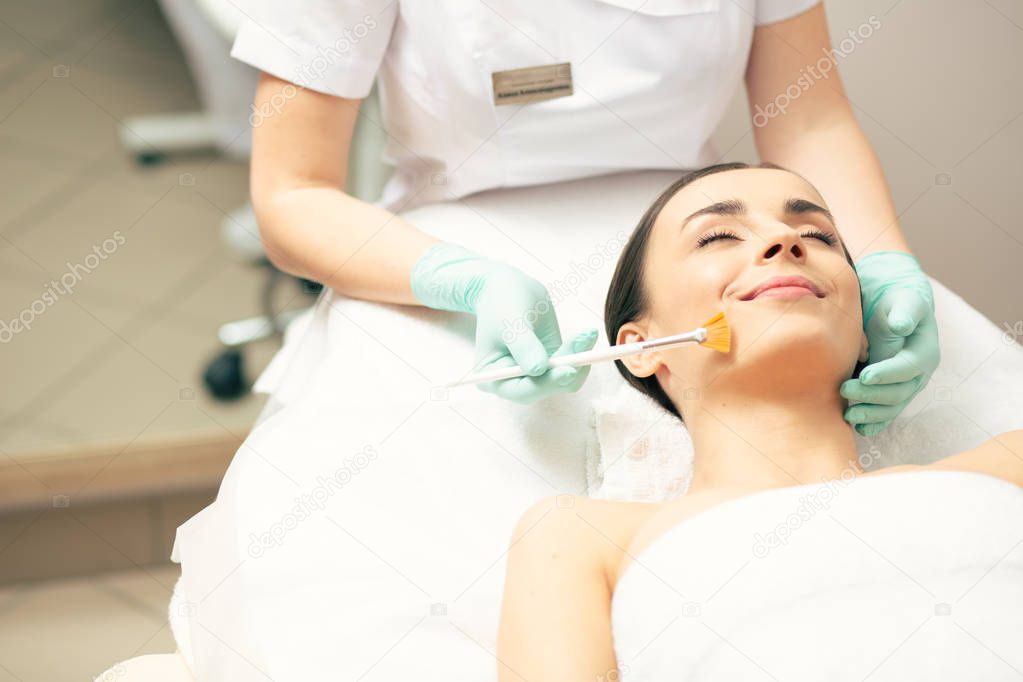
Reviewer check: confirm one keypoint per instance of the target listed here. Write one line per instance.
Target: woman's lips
(785, 292)
(788, 286)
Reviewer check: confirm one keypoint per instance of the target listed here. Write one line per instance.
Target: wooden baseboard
(104, 472)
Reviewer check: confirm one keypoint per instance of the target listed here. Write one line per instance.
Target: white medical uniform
(651, 80)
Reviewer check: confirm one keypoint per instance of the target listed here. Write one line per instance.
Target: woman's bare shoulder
(611, 518)
(1001, 457)
(589, 531)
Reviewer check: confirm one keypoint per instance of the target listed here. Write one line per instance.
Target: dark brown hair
(626, 298)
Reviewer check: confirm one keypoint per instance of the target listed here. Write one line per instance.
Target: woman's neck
(756, 441)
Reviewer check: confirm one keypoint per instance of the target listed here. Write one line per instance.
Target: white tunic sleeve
(331, 46)
(770, 11)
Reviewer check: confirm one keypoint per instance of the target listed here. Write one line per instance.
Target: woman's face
(713, 245)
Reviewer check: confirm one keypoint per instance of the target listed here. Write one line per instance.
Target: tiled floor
(108, 361)
(76, 629)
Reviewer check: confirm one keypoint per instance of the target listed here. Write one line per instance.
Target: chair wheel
(310, 287)
(150, 158)
(225, 375)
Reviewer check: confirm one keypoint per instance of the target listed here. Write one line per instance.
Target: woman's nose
(785, 244)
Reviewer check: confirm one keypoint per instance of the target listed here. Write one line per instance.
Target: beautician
(482, 94)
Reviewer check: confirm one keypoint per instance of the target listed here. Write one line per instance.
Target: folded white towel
(645, 454)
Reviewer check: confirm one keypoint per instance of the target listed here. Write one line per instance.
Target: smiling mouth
(784, 292)
(784, 287)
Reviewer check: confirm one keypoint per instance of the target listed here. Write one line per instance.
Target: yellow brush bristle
(718, 336)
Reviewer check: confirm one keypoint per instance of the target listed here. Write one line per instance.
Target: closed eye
(716, 234)
(820, 234)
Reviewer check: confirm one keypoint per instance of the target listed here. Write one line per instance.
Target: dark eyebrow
(727, 207)
(799, 206)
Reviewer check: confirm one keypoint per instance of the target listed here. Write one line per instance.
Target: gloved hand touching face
(515, 320)
(898, 318)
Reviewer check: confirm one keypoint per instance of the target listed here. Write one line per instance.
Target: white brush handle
(588, 357)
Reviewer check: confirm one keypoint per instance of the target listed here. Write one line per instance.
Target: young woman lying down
(784, 560)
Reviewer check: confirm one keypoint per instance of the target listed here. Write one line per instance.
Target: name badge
(532, 84)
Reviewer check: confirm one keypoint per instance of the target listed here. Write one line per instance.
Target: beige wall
(938, 89)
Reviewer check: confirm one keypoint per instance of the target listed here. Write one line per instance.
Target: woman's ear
(864, 347)
(644, 364)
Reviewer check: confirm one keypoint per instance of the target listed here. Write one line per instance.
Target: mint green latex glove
(898, 317)
(515, 320)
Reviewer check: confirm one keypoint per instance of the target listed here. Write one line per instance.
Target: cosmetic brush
(713, 334)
